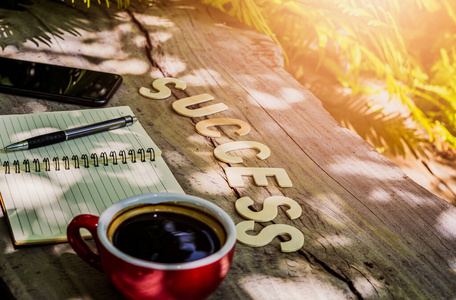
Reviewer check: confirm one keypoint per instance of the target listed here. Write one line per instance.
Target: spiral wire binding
(75, 160)
(26, 164)
(124, 157)
(36, 161)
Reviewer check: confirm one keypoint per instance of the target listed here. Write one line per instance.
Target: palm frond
(406, 44)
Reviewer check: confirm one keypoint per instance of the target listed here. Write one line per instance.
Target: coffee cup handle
(78, 243)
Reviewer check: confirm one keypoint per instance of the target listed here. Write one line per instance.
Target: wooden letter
(160, 86)
(202, 126)
(220, 151)
(268, 234)
(180, 106)
(234, 176)
(270, 207)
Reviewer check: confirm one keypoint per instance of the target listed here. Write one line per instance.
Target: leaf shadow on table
(43, 22)
(19, 26)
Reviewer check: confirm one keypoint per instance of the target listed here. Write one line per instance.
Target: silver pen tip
(23, 145)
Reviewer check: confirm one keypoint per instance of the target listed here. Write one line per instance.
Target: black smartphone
(58, 83)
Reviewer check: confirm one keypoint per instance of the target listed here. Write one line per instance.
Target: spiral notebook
(42, 189)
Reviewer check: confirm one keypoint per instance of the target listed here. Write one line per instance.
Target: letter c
(202, 126)
(220, 151)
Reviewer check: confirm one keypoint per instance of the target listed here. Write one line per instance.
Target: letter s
(268, 234)
(160, 86)
(270, 208)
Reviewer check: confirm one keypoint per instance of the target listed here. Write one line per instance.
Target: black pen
(69, 134)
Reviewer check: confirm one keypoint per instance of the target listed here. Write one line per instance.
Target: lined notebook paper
(42, 189)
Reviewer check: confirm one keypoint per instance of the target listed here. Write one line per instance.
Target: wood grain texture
(370, 231)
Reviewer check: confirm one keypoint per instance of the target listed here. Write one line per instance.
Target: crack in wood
(331, 271)
(149, 46)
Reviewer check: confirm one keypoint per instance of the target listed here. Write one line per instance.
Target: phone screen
(59, 83)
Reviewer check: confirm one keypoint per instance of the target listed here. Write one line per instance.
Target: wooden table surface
(370, 231)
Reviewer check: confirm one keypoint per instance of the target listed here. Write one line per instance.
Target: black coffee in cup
(166, 233)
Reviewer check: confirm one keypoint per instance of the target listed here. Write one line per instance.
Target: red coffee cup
(137, 278)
